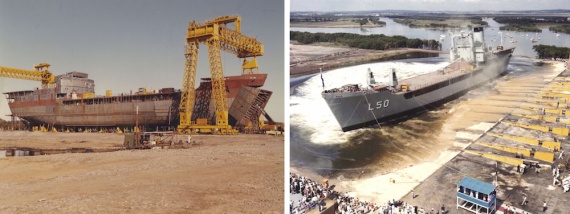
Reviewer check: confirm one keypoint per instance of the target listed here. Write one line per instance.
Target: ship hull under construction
(363, 108)
(73, 104)
(157, 109)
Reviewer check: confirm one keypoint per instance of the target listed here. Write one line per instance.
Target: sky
(426, 5)
(124, 45)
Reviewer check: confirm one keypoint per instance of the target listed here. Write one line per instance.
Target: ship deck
(454, 69)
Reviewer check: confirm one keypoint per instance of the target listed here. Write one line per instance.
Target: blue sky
(124, 45)
(427, 5)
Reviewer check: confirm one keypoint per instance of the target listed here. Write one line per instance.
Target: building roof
(477, 185)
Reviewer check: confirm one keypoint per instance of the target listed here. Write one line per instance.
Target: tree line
(527, 24)
(529, 20)
(313, 19)
(374, 20)
(521, 27)
(410, 21)
(551, 51)
(565, 28)
(374, 42)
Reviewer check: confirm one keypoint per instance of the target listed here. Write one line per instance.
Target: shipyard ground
(440, 187)
(233, 174)
(432, 169)
(307, 59)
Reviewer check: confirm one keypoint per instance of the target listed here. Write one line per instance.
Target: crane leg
(187, 96)
(218, 82)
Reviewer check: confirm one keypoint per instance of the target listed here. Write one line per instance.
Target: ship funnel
(394, 78)
(371, 80)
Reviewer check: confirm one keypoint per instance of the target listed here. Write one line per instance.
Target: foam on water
(310, 112)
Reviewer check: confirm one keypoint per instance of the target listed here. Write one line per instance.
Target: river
(523, 42)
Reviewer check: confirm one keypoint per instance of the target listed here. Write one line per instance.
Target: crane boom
(41, 73)
(236, 43)
(217, 37)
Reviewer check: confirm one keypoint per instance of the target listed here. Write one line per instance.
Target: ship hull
(355, 110)
(46, 107)
(153, 113)
(117, 111)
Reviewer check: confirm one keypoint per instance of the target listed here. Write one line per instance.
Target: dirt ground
(307, 59)
(60, 140)
(222, 174)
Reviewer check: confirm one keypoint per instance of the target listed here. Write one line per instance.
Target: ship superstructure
(473, 63)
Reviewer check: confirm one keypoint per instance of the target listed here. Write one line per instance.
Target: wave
(310, 113)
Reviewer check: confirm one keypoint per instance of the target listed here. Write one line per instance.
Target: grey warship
(473, 64)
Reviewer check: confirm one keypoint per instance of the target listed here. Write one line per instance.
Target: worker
(523, 168)
(554, 181)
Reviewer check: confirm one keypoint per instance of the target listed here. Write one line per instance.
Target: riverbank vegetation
(528, 24)
(551, 51)
(373, 42)
(334, 21)
(439, 22)
(521, 28)
(565, 28)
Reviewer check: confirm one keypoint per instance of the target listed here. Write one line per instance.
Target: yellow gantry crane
(217, 37)
(40, 73)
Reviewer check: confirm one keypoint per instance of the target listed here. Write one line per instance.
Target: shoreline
(334, 24)
(307, 59)
(376, 186)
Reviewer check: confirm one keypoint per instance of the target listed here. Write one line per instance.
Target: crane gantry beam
(217, 37)
(41, 73)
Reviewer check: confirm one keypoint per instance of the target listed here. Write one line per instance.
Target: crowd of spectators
(315, 193)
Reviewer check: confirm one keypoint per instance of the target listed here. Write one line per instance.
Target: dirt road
(231, 174)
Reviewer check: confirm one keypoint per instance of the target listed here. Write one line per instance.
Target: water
(523, 44)
(317, 142)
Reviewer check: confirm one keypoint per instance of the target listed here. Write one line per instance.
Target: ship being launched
(473, 64)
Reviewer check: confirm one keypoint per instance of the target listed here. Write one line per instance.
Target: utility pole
(137, 133)
(496, 173)
(322, 79)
